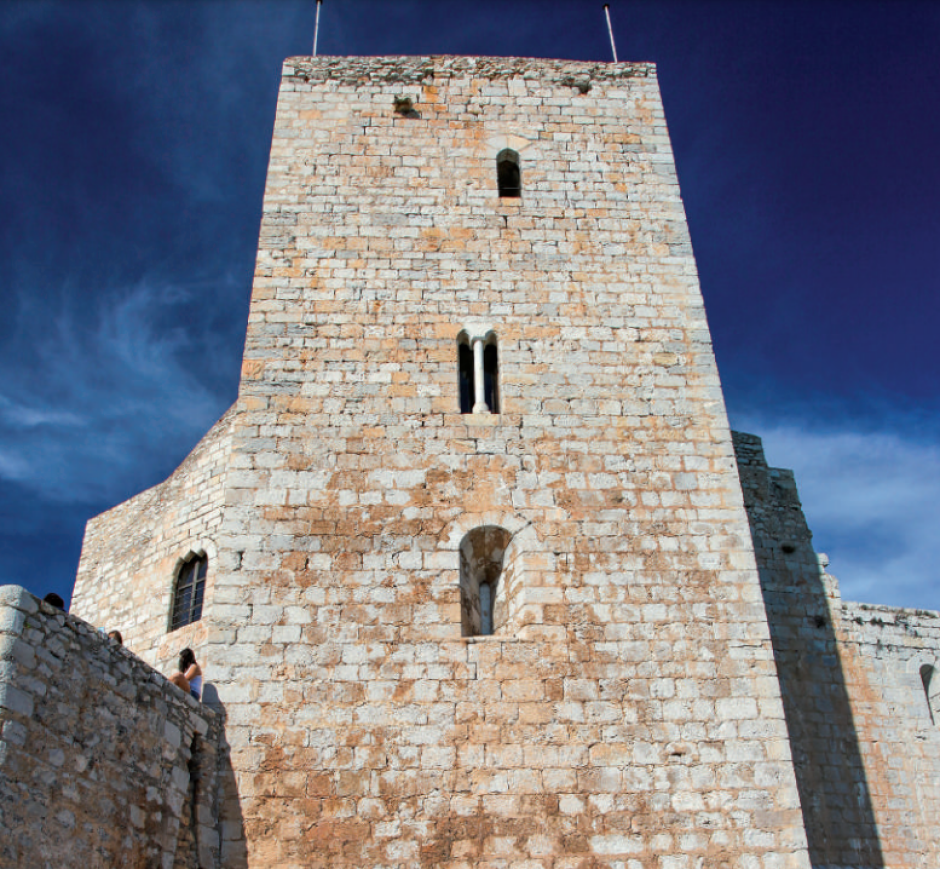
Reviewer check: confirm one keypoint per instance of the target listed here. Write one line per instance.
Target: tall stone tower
(480, 589)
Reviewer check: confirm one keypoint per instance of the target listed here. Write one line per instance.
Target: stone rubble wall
(131, 554)
(866, 752)
(627, 713)
(97, 766)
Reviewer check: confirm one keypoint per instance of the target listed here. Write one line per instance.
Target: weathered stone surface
(359, 716)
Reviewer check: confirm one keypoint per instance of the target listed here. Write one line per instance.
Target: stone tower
(481, 589)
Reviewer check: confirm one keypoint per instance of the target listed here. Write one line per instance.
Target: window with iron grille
(189, 591)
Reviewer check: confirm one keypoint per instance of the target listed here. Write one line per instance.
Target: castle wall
(882, 651)
(866, 751)
(673, 681)
(131, 554)
(628, 712)
(103, 763)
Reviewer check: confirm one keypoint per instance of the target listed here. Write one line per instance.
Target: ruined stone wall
(132, 554)
(866, 750)
(627, 712)
(103, 763)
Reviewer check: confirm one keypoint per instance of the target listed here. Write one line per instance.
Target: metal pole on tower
(610, 30)
(316, 29)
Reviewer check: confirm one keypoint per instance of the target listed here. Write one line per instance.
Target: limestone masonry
(490, 582)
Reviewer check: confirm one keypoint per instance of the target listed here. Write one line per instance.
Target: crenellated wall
(865, 748)
(103, 763)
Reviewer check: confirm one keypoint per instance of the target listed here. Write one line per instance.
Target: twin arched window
(478, 373)
(188, 592)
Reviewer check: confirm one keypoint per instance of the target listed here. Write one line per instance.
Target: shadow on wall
(234, 850)
(837, 810)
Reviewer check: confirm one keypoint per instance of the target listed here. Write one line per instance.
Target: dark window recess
(507, 173)
(190, 588)
(491, 377)
(483, 605)
(465, 376)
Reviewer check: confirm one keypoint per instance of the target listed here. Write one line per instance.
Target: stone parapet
(104, 764)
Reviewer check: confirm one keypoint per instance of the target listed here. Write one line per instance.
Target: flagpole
(316, 29)
(610, 29)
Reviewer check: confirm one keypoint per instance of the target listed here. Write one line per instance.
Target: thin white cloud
(871, 500)
(19, 415)
(13, 467)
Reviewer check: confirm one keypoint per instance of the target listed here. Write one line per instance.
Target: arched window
(188, 592)
(465, 373)
(931, 691)
(482, 597)
(508, 173)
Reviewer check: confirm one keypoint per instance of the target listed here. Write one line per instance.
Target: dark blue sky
(133, 149)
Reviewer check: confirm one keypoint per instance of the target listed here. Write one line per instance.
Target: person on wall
(189, 675)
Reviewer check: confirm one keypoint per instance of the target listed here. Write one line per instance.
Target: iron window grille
(190, 589)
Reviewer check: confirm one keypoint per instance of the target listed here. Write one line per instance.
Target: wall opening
(508, 174)
(931, 691)
(465, 373)
(491, 375)
(483, 609)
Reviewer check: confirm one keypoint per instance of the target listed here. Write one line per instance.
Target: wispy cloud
(871, 499)
(123, 398)
(19, 415)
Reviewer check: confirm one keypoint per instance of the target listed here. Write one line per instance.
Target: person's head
(55, 600)
(116, 636)
(187, 659)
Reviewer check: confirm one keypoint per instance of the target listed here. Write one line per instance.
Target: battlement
(426, 69)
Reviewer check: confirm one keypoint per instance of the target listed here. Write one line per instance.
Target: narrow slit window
(189, 592)
(465, 375)
(486, 609)
(508, 174)
(491, 377)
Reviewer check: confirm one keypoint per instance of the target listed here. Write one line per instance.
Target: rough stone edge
(19, 599)
(205, 720)
(14, 600)
(425, 68)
